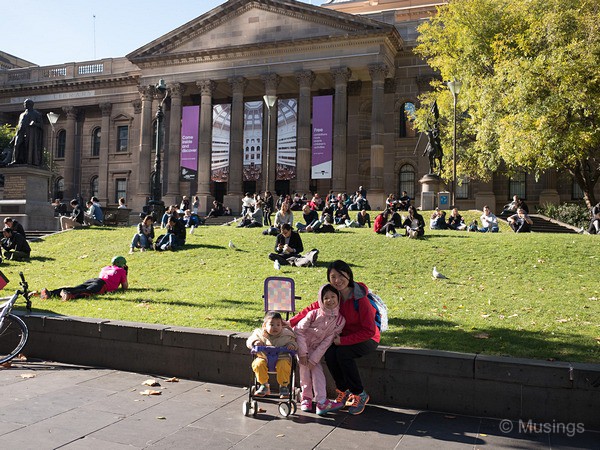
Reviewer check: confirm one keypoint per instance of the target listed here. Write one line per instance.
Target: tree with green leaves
(531, 85)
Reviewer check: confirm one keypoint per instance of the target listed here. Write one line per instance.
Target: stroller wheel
(246, 409)
(284, 409)
(254, 408)
(294, 407)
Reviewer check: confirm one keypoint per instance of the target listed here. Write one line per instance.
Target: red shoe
(66, 296)
(44, 294)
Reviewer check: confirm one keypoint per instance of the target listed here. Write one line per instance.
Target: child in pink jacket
(314, 335)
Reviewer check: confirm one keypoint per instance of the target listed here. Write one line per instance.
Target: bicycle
(13, 331)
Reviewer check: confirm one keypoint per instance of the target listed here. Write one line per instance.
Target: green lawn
(525, 295)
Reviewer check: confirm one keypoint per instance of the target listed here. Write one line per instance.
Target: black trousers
(88, 288)
(341, 362)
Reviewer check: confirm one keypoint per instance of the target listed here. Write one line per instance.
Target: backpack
(381, 311)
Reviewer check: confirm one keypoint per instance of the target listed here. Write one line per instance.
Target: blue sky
(61, 31)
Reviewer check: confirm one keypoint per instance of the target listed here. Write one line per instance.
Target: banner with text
(188, 169)
(253, 131)
(322, 137)
(287, 125)
(221, 141)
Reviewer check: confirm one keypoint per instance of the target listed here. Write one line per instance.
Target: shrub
(571, 213)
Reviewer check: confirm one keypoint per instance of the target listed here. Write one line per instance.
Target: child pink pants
(313, 381)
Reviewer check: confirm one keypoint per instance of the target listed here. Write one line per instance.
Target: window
(61, 143)
(407, 180)
(576, 191)
(122, 138)
(96, 142)
(94, 187)
(516, 186)
(121, 189)
(59, 188)
(462, 188)
(407, 116)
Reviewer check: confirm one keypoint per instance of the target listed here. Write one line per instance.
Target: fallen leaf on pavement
(151, 382)
(150, 392)
(161, 418)
(482, 336)
(172, 380)
(27, 375)
(280, 435)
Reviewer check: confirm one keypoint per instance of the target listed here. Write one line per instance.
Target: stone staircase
(36, 235)
(543, 224)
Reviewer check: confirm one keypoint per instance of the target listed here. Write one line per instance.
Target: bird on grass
(437, 275)
(232, 245)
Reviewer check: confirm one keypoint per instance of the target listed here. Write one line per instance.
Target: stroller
(279, 296)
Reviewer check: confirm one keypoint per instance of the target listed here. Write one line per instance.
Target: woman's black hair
(329, 288)
(342, 267)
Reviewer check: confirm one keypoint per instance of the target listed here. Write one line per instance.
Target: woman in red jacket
(359, 337)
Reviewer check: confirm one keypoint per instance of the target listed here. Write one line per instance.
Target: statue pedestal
(431, 184)
(26, 190)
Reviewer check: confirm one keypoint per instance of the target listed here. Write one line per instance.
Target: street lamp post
(270, 102)
(156, 180)
(454, 87)
(52, 118)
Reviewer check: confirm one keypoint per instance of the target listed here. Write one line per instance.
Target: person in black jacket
(16, 226)
(175, 237)
(75, 220)
(15, 246)
(288, 246)
(414, 223)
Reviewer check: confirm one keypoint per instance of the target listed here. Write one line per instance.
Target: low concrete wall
(460, 383)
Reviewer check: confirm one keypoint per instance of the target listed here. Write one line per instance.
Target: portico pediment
(240, 25)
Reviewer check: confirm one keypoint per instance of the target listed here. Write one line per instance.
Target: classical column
(236, 151)
(271, 81)
(376, 194)
(340, 128)
(549, 194)
(69, 168)
(207, 88)
(174, 153)
(146, 134)
(106, 109)
(305, 79)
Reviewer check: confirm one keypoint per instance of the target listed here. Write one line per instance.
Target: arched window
(94, 189)
(59, 188)
(61, 143)
(462, 188)
(406, 180)
(96, 142)
(576, 191)
(407, 116)
(516, 185)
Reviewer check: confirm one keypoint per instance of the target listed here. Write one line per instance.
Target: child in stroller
(273, 333)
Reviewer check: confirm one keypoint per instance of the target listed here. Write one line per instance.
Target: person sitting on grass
(93, 215)
(439, 223)
(272, 333)
(382, 224)
(15, 246)
(144, 236)
(414, 223)
(288, 246)
(455, 221)
(520, 222)
(175, 237)
(75, 220)
(15, 225)
(217, 210)
(109, 280)
(489, 221)
(253, 219)
(311, 220)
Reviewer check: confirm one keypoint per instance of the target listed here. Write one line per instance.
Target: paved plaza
(47, 405)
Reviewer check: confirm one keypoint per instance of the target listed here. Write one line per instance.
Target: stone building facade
(358, 52)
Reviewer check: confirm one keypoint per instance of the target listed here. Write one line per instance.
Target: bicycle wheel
(13, 337)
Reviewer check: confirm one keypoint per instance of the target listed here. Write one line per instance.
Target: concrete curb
(460, 383)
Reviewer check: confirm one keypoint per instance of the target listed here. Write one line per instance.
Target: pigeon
(438, 275)
(277, 265)
(232, 246)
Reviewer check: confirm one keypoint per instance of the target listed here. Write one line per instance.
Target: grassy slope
(532, 295)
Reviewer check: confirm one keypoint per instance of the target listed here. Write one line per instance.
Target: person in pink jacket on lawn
(314, 334)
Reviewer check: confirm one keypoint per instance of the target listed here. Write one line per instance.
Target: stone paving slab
(74, 407)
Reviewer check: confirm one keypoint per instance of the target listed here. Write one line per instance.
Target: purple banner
(189, 143)
(322, 137)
